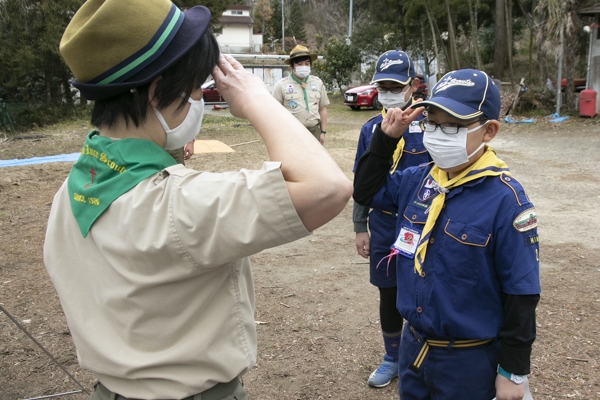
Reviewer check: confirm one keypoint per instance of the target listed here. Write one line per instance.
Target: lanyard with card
(407, 241)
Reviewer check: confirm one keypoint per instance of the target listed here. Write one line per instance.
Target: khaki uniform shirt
(159, 296)
(289, 93)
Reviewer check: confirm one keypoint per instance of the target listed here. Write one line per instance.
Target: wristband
(323, 132)
(517, 379)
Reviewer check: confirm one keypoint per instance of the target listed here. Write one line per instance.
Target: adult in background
(396, 84)
(304, 94)
(150, 258)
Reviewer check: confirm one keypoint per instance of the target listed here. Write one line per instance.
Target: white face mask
(189, 127)
(302, 71)
(449, 150)
(393, 100)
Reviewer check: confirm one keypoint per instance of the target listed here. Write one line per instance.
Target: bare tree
(500, 40)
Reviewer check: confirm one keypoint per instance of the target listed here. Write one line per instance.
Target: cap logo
(449, 82)
(385, 64)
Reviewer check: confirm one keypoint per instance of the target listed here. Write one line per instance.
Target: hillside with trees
(509, 39)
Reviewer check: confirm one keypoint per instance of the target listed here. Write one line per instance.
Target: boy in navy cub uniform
(466, 243)
(396, 83)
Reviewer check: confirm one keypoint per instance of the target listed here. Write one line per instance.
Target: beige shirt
(159, 296)
(289, 93)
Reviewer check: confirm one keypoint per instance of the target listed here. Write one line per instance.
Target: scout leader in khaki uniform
(303, 94)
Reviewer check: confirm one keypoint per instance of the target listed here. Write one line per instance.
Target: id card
(414, 127)
(407, 241)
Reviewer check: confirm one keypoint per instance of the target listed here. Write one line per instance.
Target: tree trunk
(539, 40)
(500, 48)
(48, 88)
(509, 37)
(438, 74)
(452, 49)
(427, 72)
(571, 44)
(475, 31)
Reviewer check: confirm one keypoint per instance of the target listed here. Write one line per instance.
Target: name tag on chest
(407, 241)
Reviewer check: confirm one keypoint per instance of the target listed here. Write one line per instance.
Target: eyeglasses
(449, 128)
(395, 90)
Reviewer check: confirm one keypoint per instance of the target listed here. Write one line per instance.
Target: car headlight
(367, 92)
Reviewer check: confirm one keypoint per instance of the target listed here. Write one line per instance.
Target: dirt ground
(319, 334)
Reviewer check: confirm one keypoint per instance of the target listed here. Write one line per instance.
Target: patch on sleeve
(526, 221)
(531, 240)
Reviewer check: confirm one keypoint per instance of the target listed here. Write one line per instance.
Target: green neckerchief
(303, 84)
(108, 168)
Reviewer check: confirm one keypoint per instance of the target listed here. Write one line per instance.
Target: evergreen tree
(31, 67)
(262, 15)
(341, 58)
(296, 25)
(274, 24)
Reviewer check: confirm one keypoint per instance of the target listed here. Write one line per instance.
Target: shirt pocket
(415, 215)
(463, 254)
(314, 95)
(293, 102)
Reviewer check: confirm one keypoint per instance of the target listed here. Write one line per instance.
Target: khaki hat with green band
(112, 46)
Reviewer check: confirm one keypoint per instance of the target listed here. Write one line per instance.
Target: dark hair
(184, 76)
(300, 59)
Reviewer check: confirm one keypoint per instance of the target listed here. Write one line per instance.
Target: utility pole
(350, 21)
(282, 27)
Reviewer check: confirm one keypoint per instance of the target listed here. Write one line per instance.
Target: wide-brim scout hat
(112, 46)
(394, 65)
(465, 94)
(300, 51)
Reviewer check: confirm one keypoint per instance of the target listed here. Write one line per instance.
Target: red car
(211, 93)
(362, 96)
(366, 95)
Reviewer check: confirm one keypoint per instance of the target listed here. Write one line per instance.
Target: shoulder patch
(526, 221)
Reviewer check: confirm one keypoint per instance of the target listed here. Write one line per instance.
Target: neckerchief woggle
(487, 165)
(303, 84)
(106, 169)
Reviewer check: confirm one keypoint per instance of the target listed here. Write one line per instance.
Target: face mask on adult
(449, 150)
(393, 100)
(189, 127)
(302, 71)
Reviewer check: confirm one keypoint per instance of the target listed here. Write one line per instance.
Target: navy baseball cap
(394, 65)
(465, 94)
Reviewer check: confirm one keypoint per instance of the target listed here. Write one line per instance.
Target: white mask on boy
(393, 100)
(449, 150)
(189, 127)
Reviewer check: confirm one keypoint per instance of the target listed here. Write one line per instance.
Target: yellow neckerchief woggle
(303, 84)
(487, 165)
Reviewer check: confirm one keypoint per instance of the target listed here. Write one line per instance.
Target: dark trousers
(223, 391)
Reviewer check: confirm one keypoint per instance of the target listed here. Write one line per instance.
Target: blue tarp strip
(39, 160)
